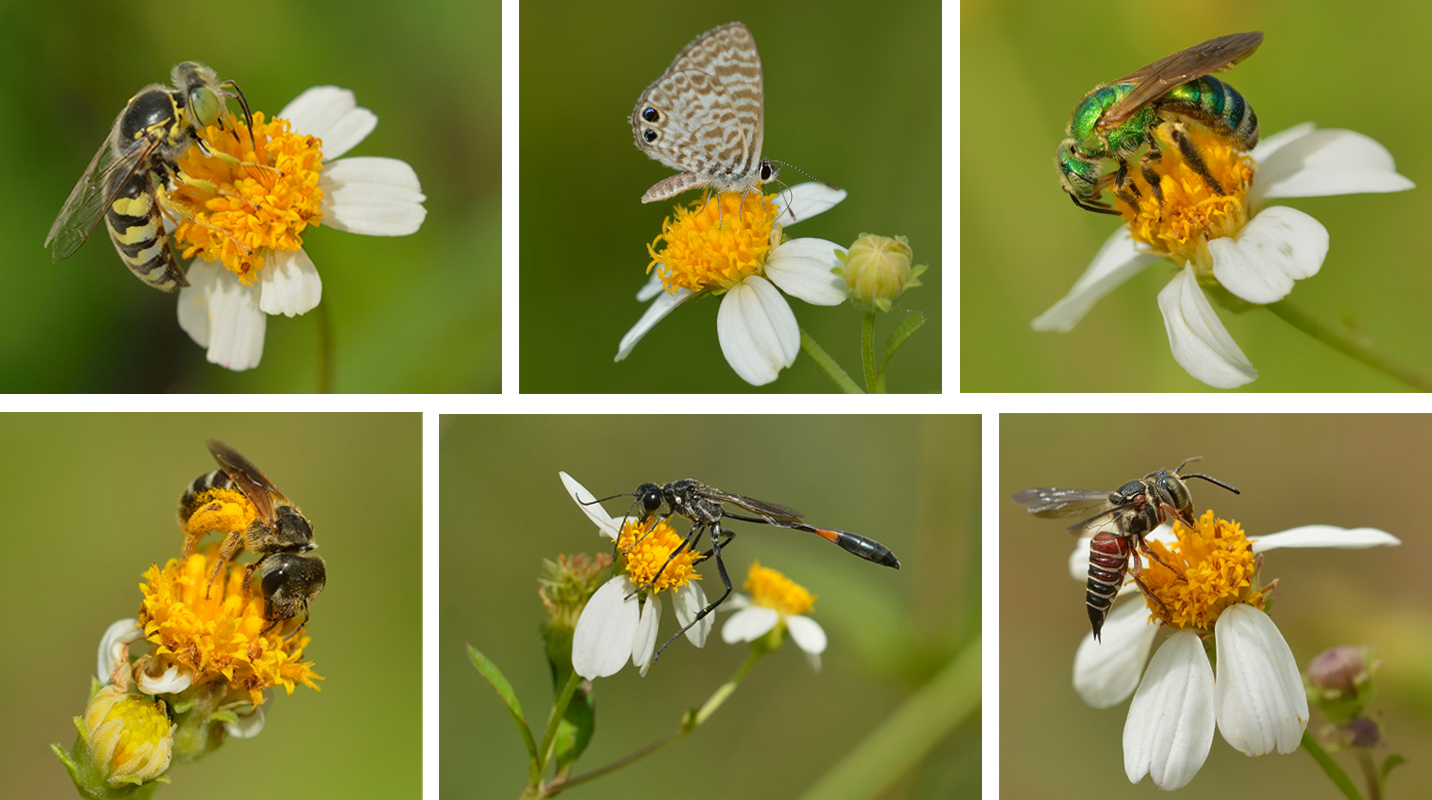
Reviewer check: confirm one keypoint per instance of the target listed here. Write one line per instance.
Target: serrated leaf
(903, 331)
(499, 684)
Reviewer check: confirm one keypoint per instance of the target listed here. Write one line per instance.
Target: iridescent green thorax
(1124, 139)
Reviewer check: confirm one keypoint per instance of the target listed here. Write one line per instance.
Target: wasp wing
(1158, 78)
(106, 174)
(772, 510)
(255, 485)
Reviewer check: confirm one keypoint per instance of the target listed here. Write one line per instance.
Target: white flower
(775, 600)
(1254, 697)
(114, 647)
(1258, 262)
(367, 195)
(616, 624)
(756, 327)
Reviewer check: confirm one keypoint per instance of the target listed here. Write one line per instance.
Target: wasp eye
(205, 104)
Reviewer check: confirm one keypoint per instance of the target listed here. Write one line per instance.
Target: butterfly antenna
(803, 172)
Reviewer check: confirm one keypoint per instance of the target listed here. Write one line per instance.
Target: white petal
(171, 682)
(1326, 162)
(805, 200)
(1279, 246)
(737, 601)
(660, 307)
(225, 313)
(332, 114)
(644, 644)
(250, 723)
(690, 600)
(802, 268)
(806, 633)
(603, 639)
(1116, 262)
(1259, 697)
(651, 288)
(1268, 145)
(289, 284)
(1324, 536)
(1106, 672)
(757, 330)
(1199, 342)
(372, 196)
(114, 646)
(609, 527)
(749, 624)
(1170, 726)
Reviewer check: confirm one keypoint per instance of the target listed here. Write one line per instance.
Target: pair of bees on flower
(279, 534)
(126, 182)
(1119, 521)
(1116, 120)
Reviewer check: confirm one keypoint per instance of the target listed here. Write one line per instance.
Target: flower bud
(877, 271)
(125, 739)
(1339, 682)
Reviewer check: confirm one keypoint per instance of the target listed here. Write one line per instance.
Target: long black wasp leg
(852, 543)
(719, 538)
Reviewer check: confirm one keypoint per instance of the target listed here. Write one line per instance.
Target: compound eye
(650, 502)
(205, 105)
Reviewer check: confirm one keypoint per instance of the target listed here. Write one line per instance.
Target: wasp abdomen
(136, 226)
(1108, 562)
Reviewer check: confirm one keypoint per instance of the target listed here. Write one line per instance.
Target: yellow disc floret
(1216, 569)
(1186, 213)
(240, 199)
(647, 549)
(773, 590)
(715, 244)
(222, 637)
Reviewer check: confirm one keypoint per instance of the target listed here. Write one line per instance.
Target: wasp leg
(718, 539)
(177, 212)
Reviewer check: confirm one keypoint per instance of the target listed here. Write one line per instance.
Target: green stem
(825, 362)
(1348, 344)
(1334, 772)
(1369, 772)
(867, 352)
(558, 710)
(690, 722)
(325, 350)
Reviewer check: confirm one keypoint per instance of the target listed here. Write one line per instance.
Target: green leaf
(499, 684)
(907, 326)
(1392, 761)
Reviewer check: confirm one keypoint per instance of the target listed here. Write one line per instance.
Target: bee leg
(1146, 167)
(1194, 160)
(177, 212)
(232, 543)
(1148, 551)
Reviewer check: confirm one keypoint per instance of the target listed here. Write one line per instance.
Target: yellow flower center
(219, 637)
(1190, 212)
(714, 245)
(647, 550)
(1218, 569)
(775, 591)
(241, 199)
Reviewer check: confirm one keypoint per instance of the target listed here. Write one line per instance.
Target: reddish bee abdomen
(1108, 562)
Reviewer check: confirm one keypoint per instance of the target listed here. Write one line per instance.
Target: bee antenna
(1212, 480)
(1186, 462)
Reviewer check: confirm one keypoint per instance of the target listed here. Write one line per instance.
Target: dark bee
(125, 181)
(1119, 521)
(280, 535)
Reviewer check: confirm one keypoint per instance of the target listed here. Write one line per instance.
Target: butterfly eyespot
(651, 115)
(649, 135)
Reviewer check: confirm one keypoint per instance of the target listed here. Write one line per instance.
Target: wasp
(126, 179)
(705, 507)
(1115, 120)
(1119, 521)
(280, 535)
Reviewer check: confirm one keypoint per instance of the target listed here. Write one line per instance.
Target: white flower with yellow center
(1228, 240)
(733, 246)
(775, 601)
(620, 622)
(1254, 695)
(247, 201)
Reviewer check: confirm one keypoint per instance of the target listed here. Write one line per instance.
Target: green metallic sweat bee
(1117, 119)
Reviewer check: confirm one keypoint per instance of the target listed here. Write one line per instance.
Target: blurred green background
(910, 482)
(1024, 66)
(416, 313)
(852, 97)
(90, 505)
(1293, 470)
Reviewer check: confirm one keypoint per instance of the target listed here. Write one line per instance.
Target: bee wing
(1155, 80)
(255, 485)
(773, 510)
(92, 196)
(1048, 502)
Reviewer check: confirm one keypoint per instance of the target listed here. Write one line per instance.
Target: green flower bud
(1339, 682)
(877, 271)
(125, 740)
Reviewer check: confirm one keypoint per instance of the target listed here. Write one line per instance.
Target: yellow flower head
(1216, 567)
(220, 638)
(647, 550)
(773, 590)
(240, 199)
(716, 243)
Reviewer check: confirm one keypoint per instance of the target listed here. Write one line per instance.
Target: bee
(1119, 521)
(1117, 119)
(126, 179)
(703, 505)
(280, 535)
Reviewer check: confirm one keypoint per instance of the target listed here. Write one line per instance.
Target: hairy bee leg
(232, 544)
(1143, 547)
(1195, 161)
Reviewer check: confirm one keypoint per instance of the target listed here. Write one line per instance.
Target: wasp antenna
(244, 103)
(1212, 480)
(605, 499)
(803, 172)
